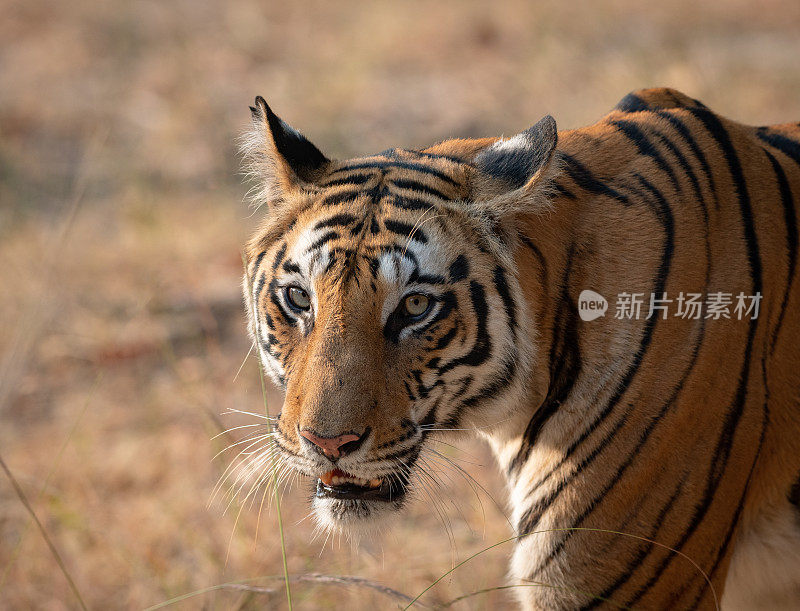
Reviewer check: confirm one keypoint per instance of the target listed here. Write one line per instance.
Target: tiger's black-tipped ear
(278, 157)
(520, 159)
(515, 175)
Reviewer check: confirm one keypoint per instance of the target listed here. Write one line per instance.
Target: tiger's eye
(416, 305)
(298, 298)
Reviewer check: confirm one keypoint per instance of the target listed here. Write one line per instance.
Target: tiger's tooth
(374, 483)
(326, 478)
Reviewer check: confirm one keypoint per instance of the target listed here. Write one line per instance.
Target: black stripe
(405, 230)
(459, 269)
(562, 191)
(273, 296)
(373, 264)
(498, 383)
(279, 256)
(586, 180)
(262, 279)
(790, 222)
(683, 132)
(785, 145)
(722, 551)
(406, 455)
(291, 267)
(646, 148)
(445, 340)
(503, 379)
(337, 220)
(409, 393)
(411, 430)
(632, 103)
(565, 365)
(717, 130)
(534, 513)
(396, 249)
(355, 179)
(733, 415)
(409, 203)
(687, 168)
(406, 165)
(539, 257)
(323, 239)
(794, 494)
(258, 260)
(450, 158)
(735, 521)
(415, 276)
(356, 229)
(642, 439)
(501, 284)
(482, 348)
(638, 559)
(686, 134)
(423, 390)
(701, 201)
(643, 436)
(340, 198)
(413, 185)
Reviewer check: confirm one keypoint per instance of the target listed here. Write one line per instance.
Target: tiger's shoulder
(656, 98)
(669, 128)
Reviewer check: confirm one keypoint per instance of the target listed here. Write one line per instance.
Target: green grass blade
(277, 496)
(53, 550)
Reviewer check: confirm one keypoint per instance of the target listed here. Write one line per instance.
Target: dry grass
(120, 226)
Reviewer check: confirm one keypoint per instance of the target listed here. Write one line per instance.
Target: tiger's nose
(335, 447)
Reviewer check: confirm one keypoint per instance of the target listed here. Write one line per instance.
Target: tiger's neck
(555, 262)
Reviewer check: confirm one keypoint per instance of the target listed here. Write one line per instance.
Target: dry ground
(121, 219)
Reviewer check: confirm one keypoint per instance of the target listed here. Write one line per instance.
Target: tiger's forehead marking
(398, 251)
(424, 173)
(382, 208)
(443, 167)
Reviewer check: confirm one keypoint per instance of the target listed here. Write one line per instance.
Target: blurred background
(121, 222)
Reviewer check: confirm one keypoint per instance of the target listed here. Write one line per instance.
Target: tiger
(651, 461)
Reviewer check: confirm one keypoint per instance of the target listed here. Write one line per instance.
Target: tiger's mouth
(337, 484)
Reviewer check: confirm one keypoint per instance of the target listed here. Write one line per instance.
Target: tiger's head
(383, 299)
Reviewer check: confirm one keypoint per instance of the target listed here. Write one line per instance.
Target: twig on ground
(346, 580)
(339, 580)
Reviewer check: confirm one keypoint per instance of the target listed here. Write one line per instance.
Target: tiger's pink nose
(332, 447)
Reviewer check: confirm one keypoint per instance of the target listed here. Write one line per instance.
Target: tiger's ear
(514, 175)
(278, 157)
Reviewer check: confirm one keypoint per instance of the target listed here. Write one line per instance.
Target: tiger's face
(383, 299)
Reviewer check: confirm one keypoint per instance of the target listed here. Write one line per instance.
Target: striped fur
(686, 432)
